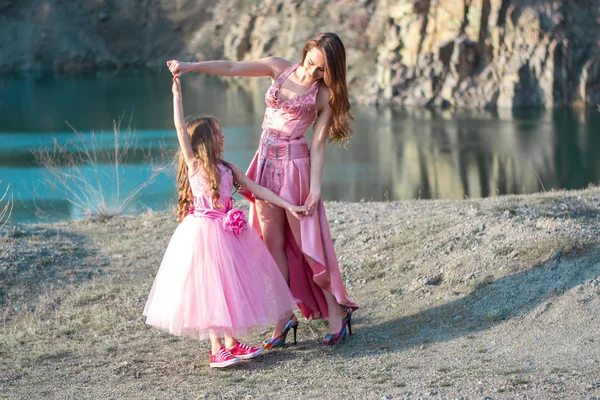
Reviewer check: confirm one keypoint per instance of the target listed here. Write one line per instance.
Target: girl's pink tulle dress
(216, 273)
(282, 164)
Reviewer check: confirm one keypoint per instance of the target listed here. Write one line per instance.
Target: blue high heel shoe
(279, 341)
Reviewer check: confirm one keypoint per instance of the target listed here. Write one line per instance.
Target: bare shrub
(6, 207)
(89, 170)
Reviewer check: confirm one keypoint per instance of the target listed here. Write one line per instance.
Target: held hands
(309, 207)
(176, 87)
(312, 201)
(177, 68)
(297, 211)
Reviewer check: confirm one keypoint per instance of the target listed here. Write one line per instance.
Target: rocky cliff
(439, 53)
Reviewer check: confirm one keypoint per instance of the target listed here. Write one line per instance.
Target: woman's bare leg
(272, 221)
(335, 310)
(272, 224)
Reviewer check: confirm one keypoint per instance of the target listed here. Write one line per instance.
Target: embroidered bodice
(202, 191)
(288, 119)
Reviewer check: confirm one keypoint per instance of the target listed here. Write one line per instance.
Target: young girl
(217, 277)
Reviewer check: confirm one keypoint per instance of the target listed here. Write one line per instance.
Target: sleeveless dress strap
(283, 76)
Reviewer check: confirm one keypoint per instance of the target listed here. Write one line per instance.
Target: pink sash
(234, 220)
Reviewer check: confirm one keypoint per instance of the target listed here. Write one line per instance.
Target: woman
(312, 91)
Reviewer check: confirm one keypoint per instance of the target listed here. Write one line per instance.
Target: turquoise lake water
(394, 154)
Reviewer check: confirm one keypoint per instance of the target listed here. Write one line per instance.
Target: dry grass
(542, 250)
(409, 336)
(6, 205)
(89, 172)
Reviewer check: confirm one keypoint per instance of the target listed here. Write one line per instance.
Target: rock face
(436, 53)
(490, 54)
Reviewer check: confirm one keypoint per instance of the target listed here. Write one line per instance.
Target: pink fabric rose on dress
(235, 221)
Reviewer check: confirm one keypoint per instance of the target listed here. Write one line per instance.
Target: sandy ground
(477, 299)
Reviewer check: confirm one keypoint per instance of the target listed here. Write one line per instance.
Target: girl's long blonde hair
(201, 131)
(334, 77)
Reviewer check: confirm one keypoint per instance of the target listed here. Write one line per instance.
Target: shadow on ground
(505, 298)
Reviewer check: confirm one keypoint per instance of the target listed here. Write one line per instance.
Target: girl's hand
(312, 201)
(176, 86)
(177, 68)
(296, 211)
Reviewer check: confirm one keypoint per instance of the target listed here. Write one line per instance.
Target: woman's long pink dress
(282, 164)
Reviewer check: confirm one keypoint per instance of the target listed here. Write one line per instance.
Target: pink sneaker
(223, 358)
(245, 352)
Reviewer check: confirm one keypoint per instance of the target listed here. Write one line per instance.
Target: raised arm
(178, 118)
(263, 193)
(269, 66)
(317, 149)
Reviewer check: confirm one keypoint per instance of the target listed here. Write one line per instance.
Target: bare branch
(89, 170)
(6, 207)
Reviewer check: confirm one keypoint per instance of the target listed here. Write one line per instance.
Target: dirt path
(495, 298)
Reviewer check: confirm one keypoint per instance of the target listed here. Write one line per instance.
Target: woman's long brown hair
(206, 150)
(334, 77)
